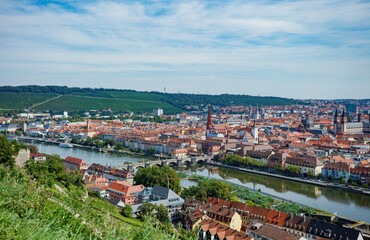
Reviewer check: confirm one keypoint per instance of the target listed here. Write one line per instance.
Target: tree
(33, 149)
(293, 170)
(216, 188)
(146, 211)
(311, 174)
(359, 182)
(151, 151)
(119, 146)
(201, 195)
(330, 178)
(75, 140)
(158, 176)
(127, 211)
(7, 151)
(162, 214)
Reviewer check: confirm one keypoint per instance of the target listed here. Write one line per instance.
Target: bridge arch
(173, 164)
(201, 161)
(187, 162)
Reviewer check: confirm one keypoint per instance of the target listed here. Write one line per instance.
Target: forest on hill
(60, 98)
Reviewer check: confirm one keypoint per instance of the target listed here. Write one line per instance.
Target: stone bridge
(166, 162)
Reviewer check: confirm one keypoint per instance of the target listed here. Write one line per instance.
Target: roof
(38, 155)
(75, 161)
(331, 231)
(125, 187)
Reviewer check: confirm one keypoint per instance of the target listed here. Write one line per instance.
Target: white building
(158, 111)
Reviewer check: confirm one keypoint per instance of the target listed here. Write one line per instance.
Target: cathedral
(342, 126)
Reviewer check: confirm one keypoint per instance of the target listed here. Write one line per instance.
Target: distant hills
(60, 98)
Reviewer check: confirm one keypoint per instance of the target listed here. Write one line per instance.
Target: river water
(347, 204)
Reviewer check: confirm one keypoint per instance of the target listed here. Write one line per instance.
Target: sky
(295, 49)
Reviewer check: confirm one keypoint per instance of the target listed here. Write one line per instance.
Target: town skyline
(309, 50)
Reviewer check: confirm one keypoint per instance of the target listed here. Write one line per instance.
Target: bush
(127, 211)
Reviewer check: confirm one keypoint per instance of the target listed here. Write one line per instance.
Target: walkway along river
(347, 204)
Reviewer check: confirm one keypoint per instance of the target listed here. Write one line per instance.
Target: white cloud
(317, 41)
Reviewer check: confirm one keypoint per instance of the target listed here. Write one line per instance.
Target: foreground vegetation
(41, 201)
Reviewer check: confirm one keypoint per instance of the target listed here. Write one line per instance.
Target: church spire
(209, 119)
(359, 115)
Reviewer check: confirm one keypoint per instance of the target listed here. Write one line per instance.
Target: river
(347, 204)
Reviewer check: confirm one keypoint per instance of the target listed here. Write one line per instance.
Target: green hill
(59, 98)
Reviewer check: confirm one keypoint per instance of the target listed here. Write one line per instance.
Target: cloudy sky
(297, 49)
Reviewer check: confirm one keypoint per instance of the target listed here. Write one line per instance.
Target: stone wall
(23, 156)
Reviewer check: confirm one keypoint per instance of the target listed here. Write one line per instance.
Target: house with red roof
(38, 157)
(336, 170)
(73, 163)
(123, 190)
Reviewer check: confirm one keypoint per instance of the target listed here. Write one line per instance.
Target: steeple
(359, 115)
(209, 119)
(344, 118)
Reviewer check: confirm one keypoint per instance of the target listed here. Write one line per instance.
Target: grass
(18, 101)
(105, 206)
(125, 95)
(75, 102)
(120, 100)
(33, 211)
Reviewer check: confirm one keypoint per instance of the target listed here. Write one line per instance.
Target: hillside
(43, 201)
(58, 98)
(30, 210)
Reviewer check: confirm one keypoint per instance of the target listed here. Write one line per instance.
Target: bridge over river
(165, 162)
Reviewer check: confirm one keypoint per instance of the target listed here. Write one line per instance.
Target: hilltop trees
(155, 175)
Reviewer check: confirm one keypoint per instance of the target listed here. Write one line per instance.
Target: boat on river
(66, 145)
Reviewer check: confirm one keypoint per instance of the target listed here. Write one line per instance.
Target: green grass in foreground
(33, 211)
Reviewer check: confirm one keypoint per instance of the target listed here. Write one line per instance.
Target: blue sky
(296, 49)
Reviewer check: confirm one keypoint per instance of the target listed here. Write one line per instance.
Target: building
(214, 230)
(361, 173)
(342, 126)
(255, 132)
(38, 157)
(336, 170)
(307, 165)
(124, 191)
(162, 195)
(75, 163)
(112, 174)
(262, 223)
(158, 111)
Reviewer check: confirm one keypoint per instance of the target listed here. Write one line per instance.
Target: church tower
(255, 132)
(359, 115)
(343, 121)
(335, 121)
(209, 121)
(209, 118)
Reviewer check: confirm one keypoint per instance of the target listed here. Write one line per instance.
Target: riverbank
(296, 179)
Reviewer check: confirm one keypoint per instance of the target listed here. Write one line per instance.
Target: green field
(74, 102)
(84, 99)
(19, 101)
(124, 95)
